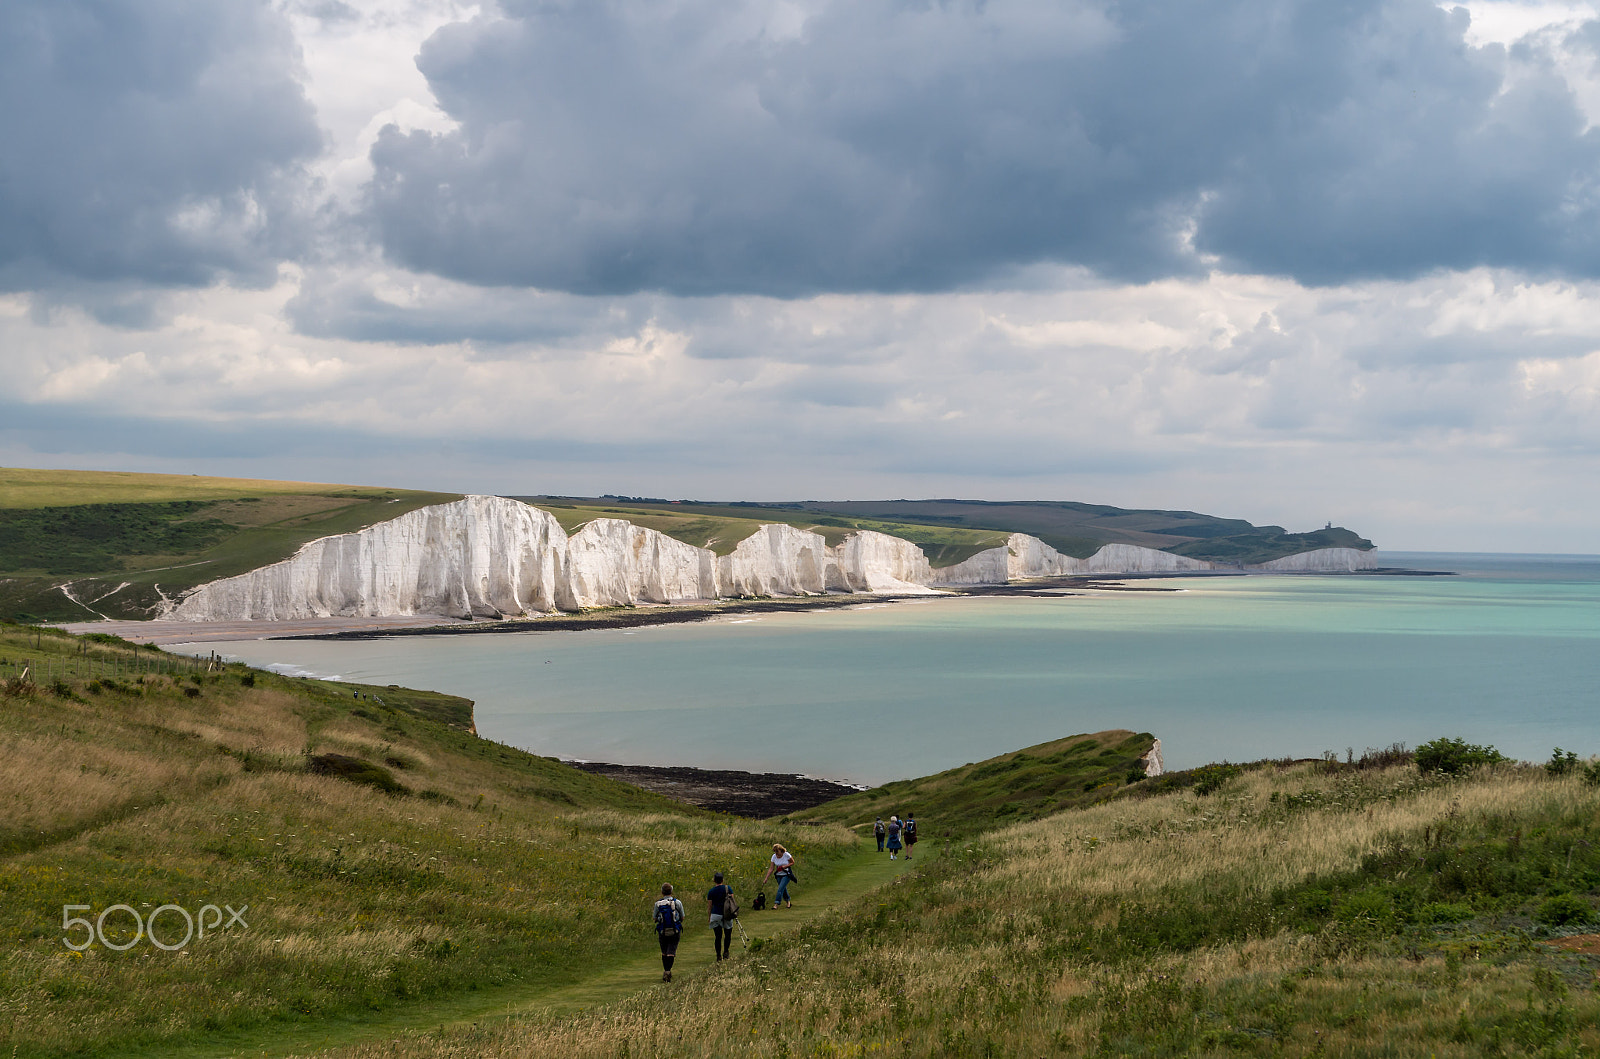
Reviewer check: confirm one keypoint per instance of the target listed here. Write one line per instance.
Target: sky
(1295, 262)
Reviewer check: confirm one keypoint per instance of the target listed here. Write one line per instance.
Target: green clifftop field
(952, 530)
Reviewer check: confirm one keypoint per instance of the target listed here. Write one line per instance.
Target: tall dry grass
(512, 868)
(992, 953)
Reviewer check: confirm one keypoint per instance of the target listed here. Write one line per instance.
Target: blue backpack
(668, 921)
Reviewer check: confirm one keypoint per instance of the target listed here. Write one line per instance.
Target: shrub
(1454, 756)
(1561, 762)
(1212, 778)
(353, 769)
(1445, 912)
(248, 680)
(1591, 773)
(1563, 909)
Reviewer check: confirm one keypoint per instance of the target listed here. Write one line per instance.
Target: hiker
(783, 866)
(879, 831)
(724, 909)
(669, 925)
(894, 837)
(908, 831)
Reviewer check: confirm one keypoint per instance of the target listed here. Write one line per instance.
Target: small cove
(1506, 652)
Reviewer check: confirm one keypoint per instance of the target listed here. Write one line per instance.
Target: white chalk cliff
(1023, 557)
(486, 556)
(1322, 561)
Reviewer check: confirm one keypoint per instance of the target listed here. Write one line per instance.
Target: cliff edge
(489, 556)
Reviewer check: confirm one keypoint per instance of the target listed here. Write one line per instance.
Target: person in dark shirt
(721, 932)
(908, 832)
(880, 831)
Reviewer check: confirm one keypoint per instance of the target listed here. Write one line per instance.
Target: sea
(1499, 649)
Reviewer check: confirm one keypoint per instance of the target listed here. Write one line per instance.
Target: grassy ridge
(488, 866)
(1305, 910)
(25, 487)
(1071, 528)
(721, 527)
(75, 545)
(1022, 785)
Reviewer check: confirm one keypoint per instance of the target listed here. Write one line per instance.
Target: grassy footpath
(600, 979)
(1302, 910)
(388, 857)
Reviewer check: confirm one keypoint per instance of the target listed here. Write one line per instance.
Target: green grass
(23, 487)
(952, 530)
(491, 868)
(721, 527)
(117, 542)
(1022, 785)
(1300, 910)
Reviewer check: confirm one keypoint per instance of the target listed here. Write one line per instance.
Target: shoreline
(643, 615)
(759, 795)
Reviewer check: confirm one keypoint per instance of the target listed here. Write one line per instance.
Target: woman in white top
(783, 865)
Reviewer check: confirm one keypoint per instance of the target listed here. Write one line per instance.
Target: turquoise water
(1506, 652)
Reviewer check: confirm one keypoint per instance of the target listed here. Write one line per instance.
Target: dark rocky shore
(753, 794)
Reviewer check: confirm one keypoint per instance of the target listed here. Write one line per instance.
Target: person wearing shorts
(908, 831)
(668, 915)
(721, 932)
(783, 867)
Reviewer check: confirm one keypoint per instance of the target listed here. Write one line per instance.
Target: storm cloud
(703, 148)
(148, 142)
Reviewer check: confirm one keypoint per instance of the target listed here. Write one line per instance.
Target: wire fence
(51, 668)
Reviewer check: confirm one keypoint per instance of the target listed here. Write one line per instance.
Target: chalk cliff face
(480, 556)
(487, 556)
(780, 560)
(1023, 557)
(1323, 560)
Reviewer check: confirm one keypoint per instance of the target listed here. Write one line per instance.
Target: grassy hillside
(952, 530)
(78, 544)
(1304, 910)
(1021, 785)
(387, 855)
(721, 527)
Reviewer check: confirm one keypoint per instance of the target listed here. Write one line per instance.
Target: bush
(1563, 909)
(1455, 756)
(353, 769)
(1591, 773)
(1212, 778)
(1445, 912)
(248, 680)
(1561, 762)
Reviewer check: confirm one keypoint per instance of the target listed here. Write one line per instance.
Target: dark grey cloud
(153, 141)
(697, 148)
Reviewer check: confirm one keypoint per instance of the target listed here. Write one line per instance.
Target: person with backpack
(724, 909)
(669, 926)
(894, 837)
(783, 866)
(879, 831)
(908, 831)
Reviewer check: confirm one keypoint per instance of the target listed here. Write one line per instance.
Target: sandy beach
(171, 632)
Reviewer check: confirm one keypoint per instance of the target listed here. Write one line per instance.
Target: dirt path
(862, 873)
